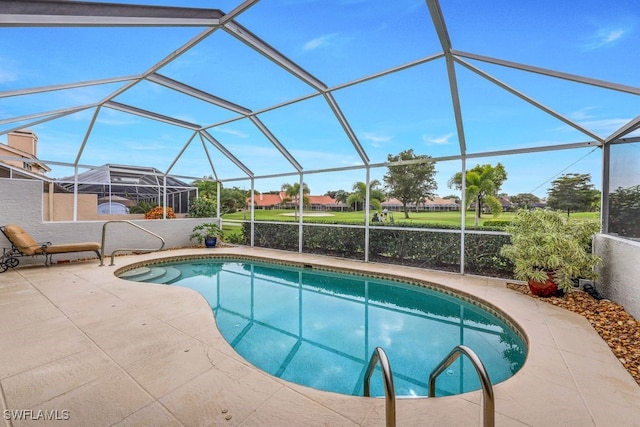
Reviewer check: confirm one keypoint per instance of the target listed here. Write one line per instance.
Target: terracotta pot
(544, 289)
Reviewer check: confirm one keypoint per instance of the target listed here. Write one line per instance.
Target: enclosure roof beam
(227, 153)
(455, 102)
(196, 93)
(206, 152)
(241, 8)
(52, 88)
(551, 73)
(56, 113)
(52, 13)
(624, 130)
(529, 100)
(265, 130)
(150, 115)
(259, 45)
(184, 147)
(47, 118)
(445, 41)
(439, 24)
(346, 127)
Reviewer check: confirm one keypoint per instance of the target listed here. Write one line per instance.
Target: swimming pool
(319, 328)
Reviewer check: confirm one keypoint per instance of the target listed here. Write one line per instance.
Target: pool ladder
(104, 230)
(379, 355)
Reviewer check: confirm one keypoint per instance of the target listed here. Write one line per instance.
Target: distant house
(267, 201)
(20, 154)
(438, 204)
(282, 201)
(325, 203)
(505, 202)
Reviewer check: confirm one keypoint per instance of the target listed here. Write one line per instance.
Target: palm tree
(206, 188)
(293, 193)
(359, 195)
(482, 185)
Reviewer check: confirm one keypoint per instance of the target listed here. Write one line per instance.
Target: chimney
(24, 140)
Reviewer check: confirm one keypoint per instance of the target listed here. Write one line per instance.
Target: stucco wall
(59, 207)
(619, 278)
(21, 203)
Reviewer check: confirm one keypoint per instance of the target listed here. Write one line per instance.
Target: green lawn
(448, 218)
(232, 231)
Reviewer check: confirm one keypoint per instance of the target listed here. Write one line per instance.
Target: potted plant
(550, 251)
(207, 232)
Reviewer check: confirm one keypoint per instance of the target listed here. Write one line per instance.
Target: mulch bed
(618, 329)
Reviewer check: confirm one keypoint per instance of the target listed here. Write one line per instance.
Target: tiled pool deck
(101, 351)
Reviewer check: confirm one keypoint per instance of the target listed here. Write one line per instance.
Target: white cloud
(7, 76)
(8, 72)
(438, 140)
(319, 41)
(582, 114)
(605, 37)
(233, 132)
(611, 36)
(376, 140)
(605, 126)
(117, 120)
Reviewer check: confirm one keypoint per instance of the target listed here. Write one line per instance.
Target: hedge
(438, 250)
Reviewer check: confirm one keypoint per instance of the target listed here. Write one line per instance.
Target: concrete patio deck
(87, 348)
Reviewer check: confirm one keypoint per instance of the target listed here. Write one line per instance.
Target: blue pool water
(319, 328)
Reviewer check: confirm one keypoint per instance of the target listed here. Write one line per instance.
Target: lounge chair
(22, 244)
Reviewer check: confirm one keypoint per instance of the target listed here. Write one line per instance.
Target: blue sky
(337, 42)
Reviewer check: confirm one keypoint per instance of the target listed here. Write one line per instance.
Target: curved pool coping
(116, 352)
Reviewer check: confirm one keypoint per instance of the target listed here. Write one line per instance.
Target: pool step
(170, 274)
(161, 275)
(132, 274)
(153, 273)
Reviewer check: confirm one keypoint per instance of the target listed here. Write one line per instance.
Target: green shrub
(500, 223)
(142, 208)
(433, 249)
(202, 207)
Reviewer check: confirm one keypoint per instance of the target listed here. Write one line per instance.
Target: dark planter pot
(210, 242)
(545, 289)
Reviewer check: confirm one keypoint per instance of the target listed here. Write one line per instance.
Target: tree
(572, 192)
(207, 188)
(525, 200)
(483, 183)
(624, 211)
(232, 199)
(293, 193)
(338, 195)
(359, 195)
(410, 182)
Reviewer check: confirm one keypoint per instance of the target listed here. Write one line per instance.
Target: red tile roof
(322, 200)
(264, 200)
(268, 199)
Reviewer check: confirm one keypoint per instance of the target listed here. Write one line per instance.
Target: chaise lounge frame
(22, 244)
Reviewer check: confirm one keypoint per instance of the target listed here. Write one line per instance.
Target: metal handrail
(389, 391)
(487, 389)
(104, 228)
